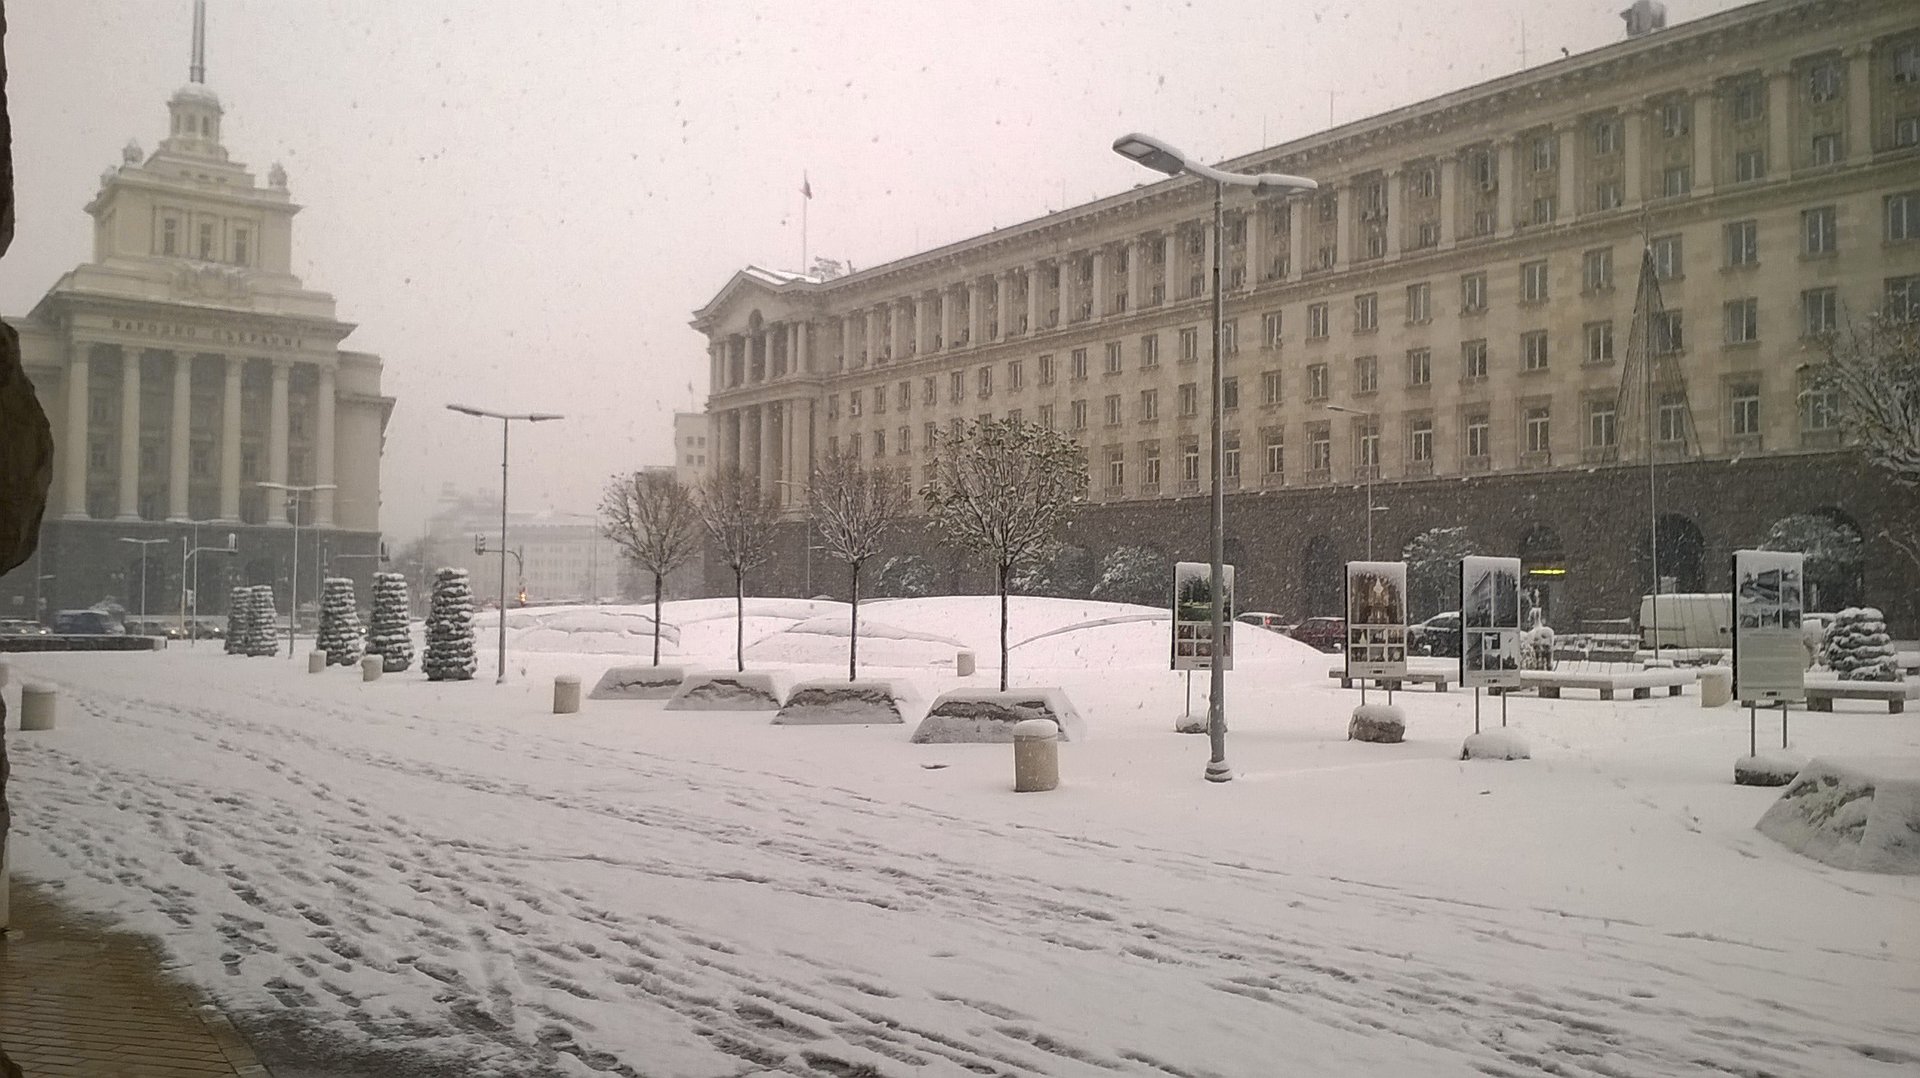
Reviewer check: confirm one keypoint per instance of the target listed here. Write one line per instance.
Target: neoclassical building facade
(185, 365)
(1447, 319)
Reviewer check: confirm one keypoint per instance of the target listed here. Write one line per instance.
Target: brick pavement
(78, 1000)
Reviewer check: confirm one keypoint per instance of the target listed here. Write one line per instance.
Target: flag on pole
(806, 188)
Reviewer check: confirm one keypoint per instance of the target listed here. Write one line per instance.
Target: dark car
(87, 623)
(19, 627)
(1265, 620)
(1325, 634)
(1438, 635)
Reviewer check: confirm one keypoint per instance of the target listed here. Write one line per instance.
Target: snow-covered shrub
(907, 576)
(1134, 574)
(389, 636)
(239, 616)
(1858, 647)
(1536, 645)
(341, 635)
(450, 628)
(263, 623)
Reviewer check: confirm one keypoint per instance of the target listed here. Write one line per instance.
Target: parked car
(1325, 634)
(88, 623)
(1266, 620)
(1438, 635)
(21, 627)
(1687, 620)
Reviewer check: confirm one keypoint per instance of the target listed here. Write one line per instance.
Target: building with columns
(183, 365)
(1445, 321)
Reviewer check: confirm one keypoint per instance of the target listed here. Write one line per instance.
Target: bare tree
(855, 510)
(1870, 377)
(650, 516)
(1001, 488)
(739, 518)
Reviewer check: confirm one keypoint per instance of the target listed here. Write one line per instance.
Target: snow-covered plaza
(413, 877)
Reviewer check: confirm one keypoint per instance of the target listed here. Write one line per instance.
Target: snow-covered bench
(1895, 694)
(1439, 679)
(1641, 683)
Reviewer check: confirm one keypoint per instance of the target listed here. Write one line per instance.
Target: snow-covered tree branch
(855, 510)
(739, 518)
(651, 517)
(1872, 370)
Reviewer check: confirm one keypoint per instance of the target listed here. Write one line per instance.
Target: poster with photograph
(1376, 619)
(1490, 622)
(1193, 616)
(1769, 660)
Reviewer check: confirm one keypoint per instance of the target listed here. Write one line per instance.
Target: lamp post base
(1218, 771)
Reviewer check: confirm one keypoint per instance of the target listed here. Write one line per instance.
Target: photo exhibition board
(1769, 599)
(1489, 622)
(1193, 616)
(1376, 619)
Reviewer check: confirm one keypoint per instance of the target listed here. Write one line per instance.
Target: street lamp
(1371, 468)
(192, 630)
(144, 544)
(506, 423)
(1160, 157)
(293, 577)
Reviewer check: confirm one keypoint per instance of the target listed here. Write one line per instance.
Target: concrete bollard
(963, 664)
(1716, 686)
(316, 661)
(370, 667)
(566, 694)
(1036, 756)
(37, 706)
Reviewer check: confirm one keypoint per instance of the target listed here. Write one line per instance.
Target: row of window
(206, 244)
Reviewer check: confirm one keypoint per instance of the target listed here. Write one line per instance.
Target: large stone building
(1448, 318)
(185, 365)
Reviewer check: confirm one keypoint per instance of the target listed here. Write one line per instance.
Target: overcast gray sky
(520, 204)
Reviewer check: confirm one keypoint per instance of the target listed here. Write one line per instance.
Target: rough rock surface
(966, 716)
(1767, 769)
(1383, 724)
(1862, 815)
(638, 683)
(751, 690)
(834, 702)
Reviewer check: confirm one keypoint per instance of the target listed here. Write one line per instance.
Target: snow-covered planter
(833, 701)
(1857, 814)
(390, 635)
(341, 635)
(982, 716)
(262, 636)
(727, 690)
(638, 683)
(1383, 724)
(450, 629)
(1768, 769)
(239, 615)
(1501, 744)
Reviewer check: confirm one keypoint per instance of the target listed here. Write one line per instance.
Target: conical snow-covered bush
(1858, 647)
(390, 637)
(239, 617)
(450, 628)
(341, 635)
(263, 623)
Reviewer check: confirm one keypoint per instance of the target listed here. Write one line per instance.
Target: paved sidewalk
(81, 1001)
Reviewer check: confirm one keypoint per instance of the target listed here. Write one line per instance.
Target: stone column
(1099, 297)
(870, 336)
(803, 335)
(1036, 284)
(129, 433)
(1256, 246)
(902, 334)
(923, 323)
(1136, 274)
(178, 439)
(1342, 227)
(230, 441)
(737, 420)
(949, 320)
(1206, 258)
(1632, 171)
(1003, 306)
(1169, 251)
(1297, 211)
(976, 313)
(323, 470)
(1449, 201)
(1859, 146)
(1067, 297)
(74, 467)
(714, 364)
(766, 475)
(1396, 183)
(1705, 159)
(1503, 198)
(1568, 196)
(1780, 123)
(277, 433)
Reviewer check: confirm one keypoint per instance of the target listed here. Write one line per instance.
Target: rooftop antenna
(198, 72)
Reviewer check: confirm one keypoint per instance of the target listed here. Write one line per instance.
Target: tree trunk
(1002, 575)
(740, 618)
(656, 618)
(853, 625)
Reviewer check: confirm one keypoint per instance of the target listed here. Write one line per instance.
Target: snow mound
(824, 640)
(980, 716)
(750, 690)
(1140, 636)
(638, 683)
(589, 630)
(1383, 724)
(1852, 813)
(1501, 744)
(828, 703)
(1768, 769)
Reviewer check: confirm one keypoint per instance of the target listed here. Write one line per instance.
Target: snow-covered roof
(778, 277)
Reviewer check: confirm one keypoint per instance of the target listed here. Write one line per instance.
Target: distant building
(182, 367)
(690, 451)
(556, 557)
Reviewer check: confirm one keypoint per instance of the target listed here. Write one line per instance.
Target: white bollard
(316, 661)
(370, 667)
(566, 694)
(1716, 686)
(37, 706)
(963, 664)
(1036, 756)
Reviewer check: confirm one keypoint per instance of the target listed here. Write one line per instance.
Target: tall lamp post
(192, 630)
(1159, 156)
(1372, 468)
(293, 577)
(506, 423)
(144, 544)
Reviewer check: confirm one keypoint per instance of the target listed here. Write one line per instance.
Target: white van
(1687, 620)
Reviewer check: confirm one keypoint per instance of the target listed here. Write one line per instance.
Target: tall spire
(198, 72)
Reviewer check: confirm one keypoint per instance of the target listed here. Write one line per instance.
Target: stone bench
(1438, 679)
(1894, 694)
(1641, 683)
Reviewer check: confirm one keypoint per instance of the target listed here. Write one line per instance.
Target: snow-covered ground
(444, 878)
